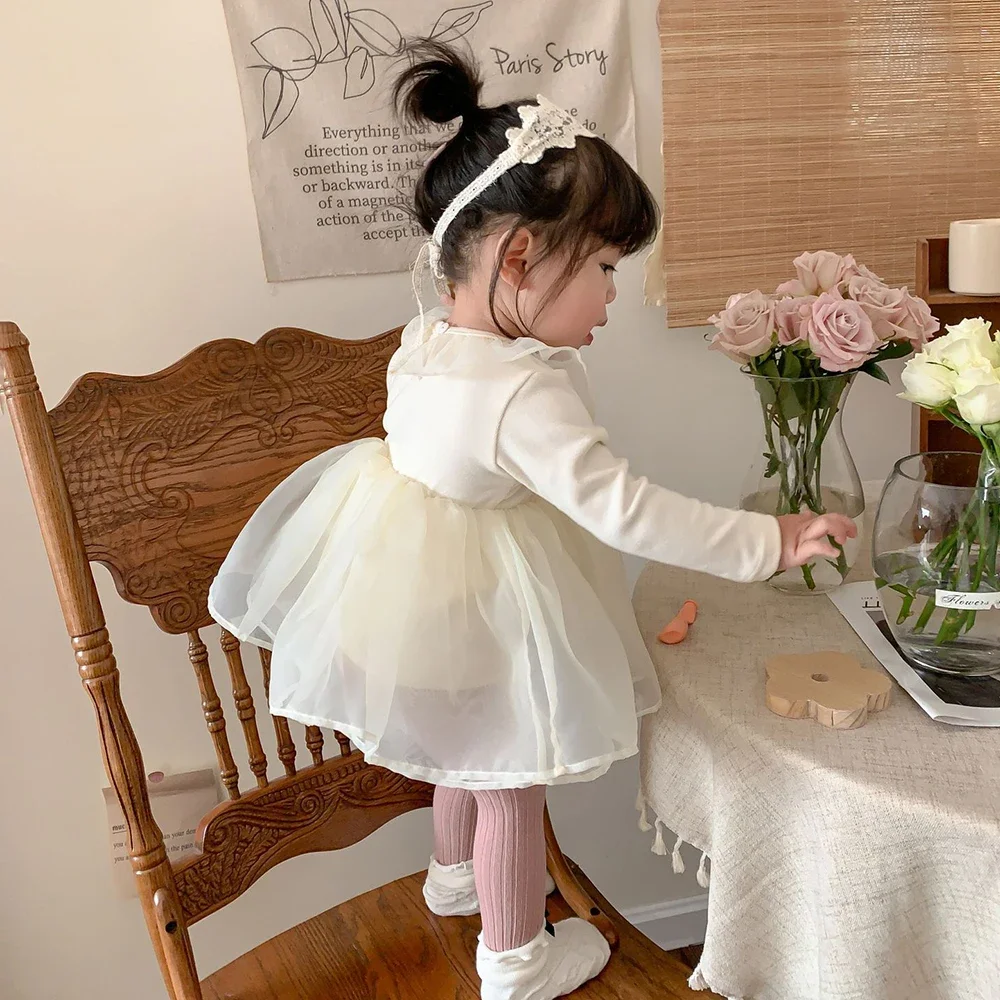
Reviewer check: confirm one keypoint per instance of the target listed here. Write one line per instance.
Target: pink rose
(886, 307)
(840, 333)
(866, 272)
(918, 325)
(790, 316)
(823, 271)
(746, 326)
(794, 288)
(894, 312)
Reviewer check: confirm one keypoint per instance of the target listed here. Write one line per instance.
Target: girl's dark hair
(575, 200)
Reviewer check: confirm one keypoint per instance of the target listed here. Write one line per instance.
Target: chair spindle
(214, 716)
(286, 747)
(314, 741)
(244, 707)
(345, 744)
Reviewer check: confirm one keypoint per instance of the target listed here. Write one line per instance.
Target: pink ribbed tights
(502, 831)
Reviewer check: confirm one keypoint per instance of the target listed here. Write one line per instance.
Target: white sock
(450, 890)
(549, 966)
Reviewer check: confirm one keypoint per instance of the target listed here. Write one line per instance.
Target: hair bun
(440, 85)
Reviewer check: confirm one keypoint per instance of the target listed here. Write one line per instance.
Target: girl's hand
(805, 537)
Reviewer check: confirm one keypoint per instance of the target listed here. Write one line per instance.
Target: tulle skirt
(466, 646)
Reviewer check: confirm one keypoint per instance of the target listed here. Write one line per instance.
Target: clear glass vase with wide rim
(934, 551)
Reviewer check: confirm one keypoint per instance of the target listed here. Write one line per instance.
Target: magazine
(958, 701)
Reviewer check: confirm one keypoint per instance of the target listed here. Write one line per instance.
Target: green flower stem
(840, 563)
(906, 608)
(925, 614)
(957, 622)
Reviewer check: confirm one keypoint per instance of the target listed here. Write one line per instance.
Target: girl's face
(568, 318)
(526, 296)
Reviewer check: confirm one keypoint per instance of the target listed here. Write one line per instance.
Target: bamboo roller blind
(848, 125)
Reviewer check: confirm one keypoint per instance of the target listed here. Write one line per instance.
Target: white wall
(127, 237)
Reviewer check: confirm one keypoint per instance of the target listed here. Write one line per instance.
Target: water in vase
(933, 637)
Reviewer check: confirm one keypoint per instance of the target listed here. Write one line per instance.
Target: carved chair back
(154, 477)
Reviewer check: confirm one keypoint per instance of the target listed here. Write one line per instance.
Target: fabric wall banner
(330, 164)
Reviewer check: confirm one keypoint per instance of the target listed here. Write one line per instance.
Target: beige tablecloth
(859, 865)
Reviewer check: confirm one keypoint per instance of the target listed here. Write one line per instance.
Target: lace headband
(543, 126)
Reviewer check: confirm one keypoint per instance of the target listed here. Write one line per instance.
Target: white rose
(964, 344)
(970, 328)
(977, 392)
(979, 373)
(981, 404)
(928, 382)
(958, 352)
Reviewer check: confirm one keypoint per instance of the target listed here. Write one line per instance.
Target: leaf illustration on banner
(328, 23)
(360, 73)
(458, 21)
(281, 93)
(287, 50)
(290, 56)
(378, 32)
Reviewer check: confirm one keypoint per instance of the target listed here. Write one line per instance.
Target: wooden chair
(154, 477)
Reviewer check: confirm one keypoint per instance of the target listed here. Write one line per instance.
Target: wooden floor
(690, 957)
(385, 945)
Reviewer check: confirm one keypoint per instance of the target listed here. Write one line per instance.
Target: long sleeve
(548, 441)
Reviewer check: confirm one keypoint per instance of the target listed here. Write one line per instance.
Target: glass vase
(934, 551)
(804, 464)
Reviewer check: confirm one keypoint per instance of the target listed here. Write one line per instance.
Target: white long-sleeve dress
(451, 598)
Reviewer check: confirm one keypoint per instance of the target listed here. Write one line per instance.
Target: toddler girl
(452, 599)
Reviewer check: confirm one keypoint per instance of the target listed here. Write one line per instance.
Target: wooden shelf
(930, 431)
(942, 297)
(932, 281)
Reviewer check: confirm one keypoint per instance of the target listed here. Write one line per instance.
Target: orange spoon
(677, 630)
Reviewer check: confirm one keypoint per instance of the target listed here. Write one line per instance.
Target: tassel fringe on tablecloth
(660, 847)
(697, 980)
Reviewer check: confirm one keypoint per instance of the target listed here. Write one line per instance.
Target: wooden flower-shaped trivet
(832, 688)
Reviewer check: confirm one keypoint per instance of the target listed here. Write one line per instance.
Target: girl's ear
(517, 257)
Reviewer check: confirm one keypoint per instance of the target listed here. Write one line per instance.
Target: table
(857, 865)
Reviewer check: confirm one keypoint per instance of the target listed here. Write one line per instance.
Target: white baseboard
(674, 923)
